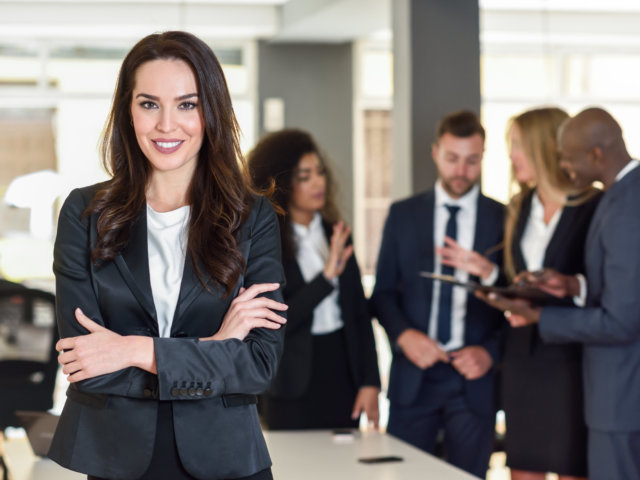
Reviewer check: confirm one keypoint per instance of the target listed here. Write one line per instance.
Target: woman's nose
(166, 122)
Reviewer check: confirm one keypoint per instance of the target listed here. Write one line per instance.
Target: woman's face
(167, 117)
(309, 185)
(522, 169)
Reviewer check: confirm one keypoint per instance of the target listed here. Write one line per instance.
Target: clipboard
(525, 292)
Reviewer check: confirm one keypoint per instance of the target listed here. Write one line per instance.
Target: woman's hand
(338, 253)
(367, 402)
(248, 311)
(517, 311)
(550, 281)
(453, 255)
(102, 351)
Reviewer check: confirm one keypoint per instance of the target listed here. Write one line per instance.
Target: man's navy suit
(609, 328)
(402, 299)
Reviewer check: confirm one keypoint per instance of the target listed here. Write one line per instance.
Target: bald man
(592, 149)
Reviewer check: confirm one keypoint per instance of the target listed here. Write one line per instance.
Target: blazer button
(175, 392)
(147, 392)
(208, 392)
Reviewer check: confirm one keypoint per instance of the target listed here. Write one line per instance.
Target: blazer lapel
(424, 218)
(521, 223)
(485, 233)
(560, 235)
(190, 288)
(133, 265)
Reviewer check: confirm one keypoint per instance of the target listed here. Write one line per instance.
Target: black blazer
(295, 368)
(107, 427)
(564, 253)
(402, 298)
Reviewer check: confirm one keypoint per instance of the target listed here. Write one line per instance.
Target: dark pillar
(315, 84)
(436, 49)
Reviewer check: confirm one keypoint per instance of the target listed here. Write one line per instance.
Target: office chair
(28, 358)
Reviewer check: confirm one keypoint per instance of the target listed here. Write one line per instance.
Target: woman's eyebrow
(153, 97)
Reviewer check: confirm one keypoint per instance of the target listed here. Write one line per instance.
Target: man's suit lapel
(133, 265)
(423, 220)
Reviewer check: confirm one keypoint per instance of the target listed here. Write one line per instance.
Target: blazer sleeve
(615, 319)
(231, 366)
(72, 269)
(385, 300)
(303, 300)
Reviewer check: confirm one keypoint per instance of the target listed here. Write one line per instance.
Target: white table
(317, 455)
(24, 465)
(311, 455)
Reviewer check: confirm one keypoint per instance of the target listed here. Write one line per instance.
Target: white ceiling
(119, 20)
(504, 22)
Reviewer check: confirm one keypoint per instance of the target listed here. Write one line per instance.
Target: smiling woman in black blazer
(329, 371)
(167, 278)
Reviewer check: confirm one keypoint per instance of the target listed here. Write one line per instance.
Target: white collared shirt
(627, 168)
(466, 228)
(537, 234)
(312, 254)
(167, 242)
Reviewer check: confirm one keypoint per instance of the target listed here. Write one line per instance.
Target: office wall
(315, 83)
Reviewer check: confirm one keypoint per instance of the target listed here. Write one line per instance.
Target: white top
(466, 222)
(167, 241)
(537, 234)
(312, 255)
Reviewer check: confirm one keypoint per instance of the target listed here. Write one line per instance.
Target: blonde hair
(538, 129)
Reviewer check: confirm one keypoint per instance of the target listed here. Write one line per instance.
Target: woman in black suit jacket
(328, 374)
(541, 384)
(164, 362)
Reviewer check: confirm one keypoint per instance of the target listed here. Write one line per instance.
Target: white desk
(311, 455)
(315, 455)
(24, 465)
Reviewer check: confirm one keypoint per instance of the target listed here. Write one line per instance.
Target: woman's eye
(303, 178)
(188, 106)
(148, 105)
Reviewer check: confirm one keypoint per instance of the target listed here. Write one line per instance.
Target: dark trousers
(614, 456)
(442, 406)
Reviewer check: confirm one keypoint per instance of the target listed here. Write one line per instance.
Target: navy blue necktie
(446, 289)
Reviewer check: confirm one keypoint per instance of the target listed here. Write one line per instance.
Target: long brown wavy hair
(538, 129)
(272, 163)
(219, 194)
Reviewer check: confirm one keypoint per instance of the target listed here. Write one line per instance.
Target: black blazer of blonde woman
(107, 427)
(295, 369)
